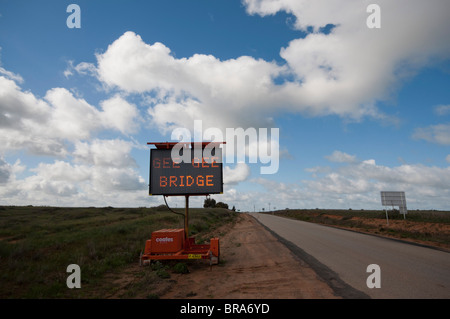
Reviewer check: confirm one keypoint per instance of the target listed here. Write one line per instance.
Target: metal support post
(186, 217)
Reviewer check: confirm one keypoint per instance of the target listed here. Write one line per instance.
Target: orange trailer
(175, 244)
(166, 244)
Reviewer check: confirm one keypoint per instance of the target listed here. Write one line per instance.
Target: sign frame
(394, 198)
(198, 178)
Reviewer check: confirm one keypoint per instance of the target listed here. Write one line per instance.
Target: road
(406, 271)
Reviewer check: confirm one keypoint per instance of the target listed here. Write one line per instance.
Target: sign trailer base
(175, 244)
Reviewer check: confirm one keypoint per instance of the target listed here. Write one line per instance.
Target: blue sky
(359, 110)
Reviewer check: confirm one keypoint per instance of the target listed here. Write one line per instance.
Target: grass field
(38, 243)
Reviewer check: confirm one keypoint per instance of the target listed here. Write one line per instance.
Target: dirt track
(255, 265)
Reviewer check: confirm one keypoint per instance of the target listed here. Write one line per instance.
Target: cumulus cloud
(24, 119)
(232, 93)
(439, 134)
(237, 174)
(10, 75)
(64, 183)
(132, 65)
(82, 68)
(63, 126)
(112, 153)
(43, 126)
(101, 169)
(423, 184)
(71, 118)
(442, 109)
(5, 171)
(341, 157)
(76, 119)
(357, 184)
(221, 93)
(120, 115)
(117, 180)
(346, 71)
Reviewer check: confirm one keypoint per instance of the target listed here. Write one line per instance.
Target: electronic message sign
(202, 175)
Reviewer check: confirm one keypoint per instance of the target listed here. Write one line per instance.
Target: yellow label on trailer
(194, 256)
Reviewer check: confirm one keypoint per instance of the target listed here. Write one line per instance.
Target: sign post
(186, 217)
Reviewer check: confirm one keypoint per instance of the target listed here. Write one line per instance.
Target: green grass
(38, 243)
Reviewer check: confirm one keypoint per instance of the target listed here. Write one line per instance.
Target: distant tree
(233, 209)
(222, 205)
(209, 203)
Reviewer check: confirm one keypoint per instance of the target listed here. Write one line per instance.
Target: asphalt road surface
(342, 257)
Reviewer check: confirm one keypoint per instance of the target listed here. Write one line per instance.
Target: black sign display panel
(200, 176)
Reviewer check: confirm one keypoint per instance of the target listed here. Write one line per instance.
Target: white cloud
(109, 153)
(44, 188)
(341, 157)
(235, 175)
(425, 185)
(347, 71)
(54, 180)
(442, 109)
(71, 118)
(120, 115)
(61, 171)
(75, 119)
(44, 126)
(10, 75)
(439, 134)
(62, 126)
(281, 192)
(82, 68)
(105, 167)
(135, 66)
(117, 180)
(5, 171)
(24, 122)
(18, 107)
(358, 184)
(64, 183)
(221, 93)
